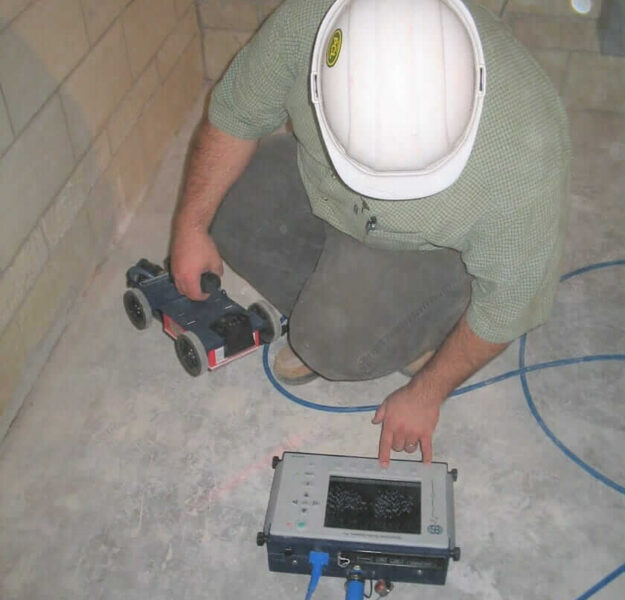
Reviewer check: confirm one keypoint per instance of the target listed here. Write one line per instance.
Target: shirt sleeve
(249, 101)
(515, 259)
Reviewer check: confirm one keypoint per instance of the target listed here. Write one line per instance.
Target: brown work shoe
(411, 369)
(289, 368)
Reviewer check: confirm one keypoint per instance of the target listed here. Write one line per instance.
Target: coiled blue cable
(521, 372)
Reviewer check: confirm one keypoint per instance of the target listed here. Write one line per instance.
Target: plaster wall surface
(90, 95)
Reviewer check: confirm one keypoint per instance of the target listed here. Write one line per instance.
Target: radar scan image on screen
(374, 505)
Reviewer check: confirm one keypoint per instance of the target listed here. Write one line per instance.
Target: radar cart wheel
(138, 308)
(272, 330)
(191, 353)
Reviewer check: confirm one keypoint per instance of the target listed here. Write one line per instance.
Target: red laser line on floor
(202, 503)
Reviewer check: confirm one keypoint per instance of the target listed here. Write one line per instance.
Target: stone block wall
(91, 92)
(568, 45)
(579, 43)
(226, 26)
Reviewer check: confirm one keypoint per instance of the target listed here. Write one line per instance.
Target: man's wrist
(462, 354)
(425, 385)
(190, 222)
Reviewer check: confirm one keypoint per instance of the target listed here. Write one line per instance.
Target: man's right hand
(216, 161)
(193, 253)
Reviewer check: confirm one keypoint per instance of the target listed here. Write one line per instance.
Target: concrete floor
(124, 478)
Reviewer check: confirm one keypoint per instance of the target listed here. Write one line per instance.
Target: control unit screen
(374, 505)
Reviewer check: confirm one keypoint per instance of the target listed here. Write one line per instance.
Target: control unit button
(301, 525)
(435, 529)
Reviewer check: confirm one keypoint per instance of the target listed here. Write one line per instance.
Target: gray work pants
(355, 312)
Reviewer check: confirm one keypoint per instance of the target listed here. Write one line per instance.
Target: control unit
(394, 524)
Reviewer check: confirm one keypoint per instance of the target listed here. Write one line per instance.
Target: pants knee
(340, 347)
(335, 353)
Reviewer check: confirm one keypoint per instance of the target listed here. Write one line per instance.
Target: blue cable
(593, 267)
(521, 372)
(532, 406)
(459, 392)
(605, 581)
(317, 560)
(293, 398)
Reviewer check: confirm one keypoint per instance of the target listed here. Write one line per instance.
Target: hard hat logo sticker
(334, 48)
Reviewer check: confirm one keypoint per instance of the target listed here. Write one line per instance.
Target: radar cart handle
(210, 283)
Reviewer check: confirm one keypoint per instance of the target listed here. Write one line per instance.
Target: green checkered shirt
(506, 213)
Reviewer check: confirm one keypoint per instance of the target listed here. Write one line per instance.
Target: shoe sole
(296, 380)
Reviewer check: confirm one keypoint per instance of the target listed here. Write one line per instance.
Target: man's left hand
(409, 417)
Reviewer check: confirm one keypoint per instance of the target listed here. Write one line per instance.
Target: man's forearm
(462, 354)
(217, 160)
(215, 163)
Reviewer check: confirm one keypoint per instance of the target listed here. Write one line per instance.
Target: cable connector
(317, 560)
(355, 586)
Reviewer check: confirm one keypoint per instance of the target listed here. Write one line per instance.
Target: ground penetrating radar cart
(207, 334)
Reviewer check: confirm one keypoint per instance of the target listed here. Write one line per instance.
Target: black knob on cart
(275, 461)
(210, 283)
(261, 539)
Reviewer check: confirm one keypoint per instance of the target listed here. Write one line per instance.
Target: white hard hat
(398, 87)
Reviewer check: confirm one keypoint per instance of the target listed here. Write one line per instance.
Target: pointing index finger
(426, 449)
(386, 441)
